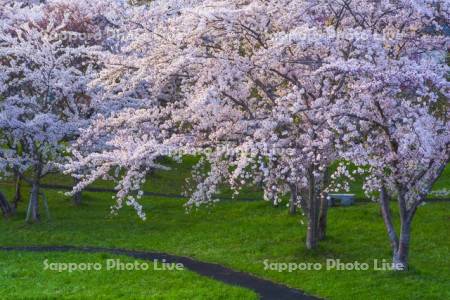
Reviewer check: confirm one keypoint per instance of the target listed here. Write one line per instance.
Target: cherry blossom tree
(264, 101)
(43, 86)
(405, 140)
(272, 93)
(406, 154)
(227, 82)
(396, 114)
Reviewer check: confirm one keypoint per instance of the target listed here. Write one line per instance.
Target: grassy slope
(242, 235)
(22, 276)
(239, 235)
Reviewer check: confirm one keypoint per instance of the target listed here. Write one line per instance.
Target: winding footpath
(267, 290)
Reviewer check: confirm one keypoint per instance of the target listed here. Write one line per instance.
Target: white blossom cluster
(45, 96)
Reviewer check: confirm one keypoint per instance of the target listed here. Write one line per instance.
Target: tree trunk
(323, 218)
(17, 194)
(400, 247)
(312, 213)
(401, 253)
(312, 237)
(4, 206)
(293, 201)
(324, 206)
(77, 197)
(387, 218)
(33, 215)
(400, 257)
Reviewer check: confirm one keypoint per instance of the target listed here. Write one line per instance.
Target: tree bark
(17, 194)
(400, 257)
(324, 207)
(312, 213)
(312, 237)
(293, 201)
(33, 215)
(387, 218)
(4, 206)
(323, 218)
(77, 197)
(400, 246)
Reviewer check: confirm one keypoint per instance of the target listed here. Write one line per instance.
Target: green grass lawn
(240, 235)
(22, 275)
